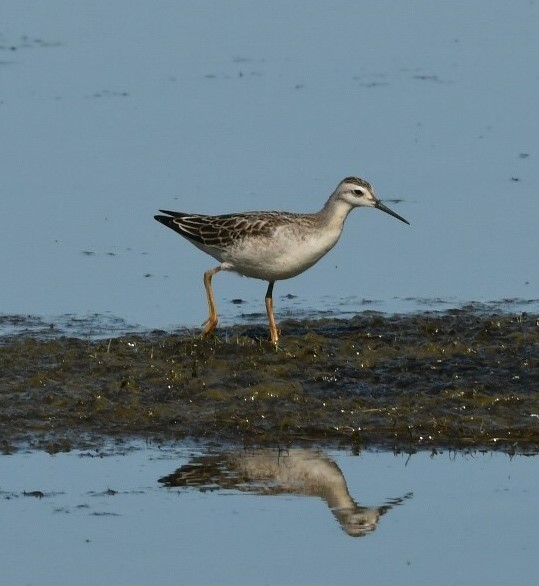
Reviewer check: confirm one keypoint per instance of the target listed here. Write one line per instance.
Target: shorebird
(271, 246)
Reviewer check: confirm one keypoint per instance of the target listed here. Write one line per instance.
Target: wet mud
(460, 379)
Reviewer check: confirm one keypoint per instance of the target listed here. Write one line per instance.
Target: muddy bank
(459, 379)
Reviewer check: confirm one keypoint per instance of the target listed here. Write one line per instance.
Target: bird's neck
(335, 212)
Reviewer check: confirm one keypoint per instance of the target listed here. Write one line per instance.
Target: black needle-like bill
(379, 205)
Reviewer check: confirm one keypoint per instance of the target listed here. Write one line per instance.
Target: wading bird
(271, 246)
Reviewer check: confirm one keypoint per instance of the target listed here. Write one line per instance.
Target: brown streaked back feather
(221, 231)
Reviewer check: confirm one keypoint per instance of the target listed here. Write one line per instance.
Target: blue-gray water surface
(267, 517)
(109, 112)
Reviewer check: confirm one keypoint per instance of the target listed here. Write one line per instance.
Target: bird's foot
(209, 326)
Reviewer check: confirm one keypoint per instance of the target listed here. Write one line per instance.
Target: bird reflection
(274, 472)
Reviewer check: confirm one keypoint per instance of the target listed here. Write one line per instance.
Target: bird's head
(357, 192)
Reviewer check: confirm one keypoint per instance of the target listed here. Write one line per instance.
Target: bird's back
(224, 230)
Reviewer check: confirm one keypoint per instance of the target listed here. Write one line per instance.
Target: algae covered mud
(461, 379)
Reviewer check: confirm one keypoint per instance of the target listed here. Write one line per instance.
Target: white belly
(286, 254)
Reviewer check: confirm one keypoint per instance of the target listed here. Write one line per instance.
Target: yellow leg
(274, 333)
(211, 323)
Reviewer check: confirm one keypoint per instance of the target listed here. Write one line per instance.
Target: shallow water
(109, 114)
(250, 516)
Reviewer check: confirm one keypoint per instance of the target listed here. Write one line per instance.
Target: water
(109, 113)
(466, 518)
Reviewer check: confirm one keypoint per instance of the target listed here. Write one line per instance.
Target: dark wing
(221, 231)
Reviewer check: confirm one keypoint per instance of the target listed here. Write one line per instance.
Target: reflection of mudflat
(273, 472)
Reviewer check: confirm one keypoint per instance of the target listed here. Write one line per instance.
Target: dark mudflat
(460, 379)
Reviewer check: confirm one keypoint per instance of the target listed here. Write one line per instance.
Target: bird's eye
(357, 192)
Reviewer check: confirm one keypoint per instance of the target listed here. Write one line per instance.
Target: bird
(271, 246)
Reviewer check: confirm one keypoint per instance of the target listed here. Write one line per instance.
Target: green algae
(459, 379)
